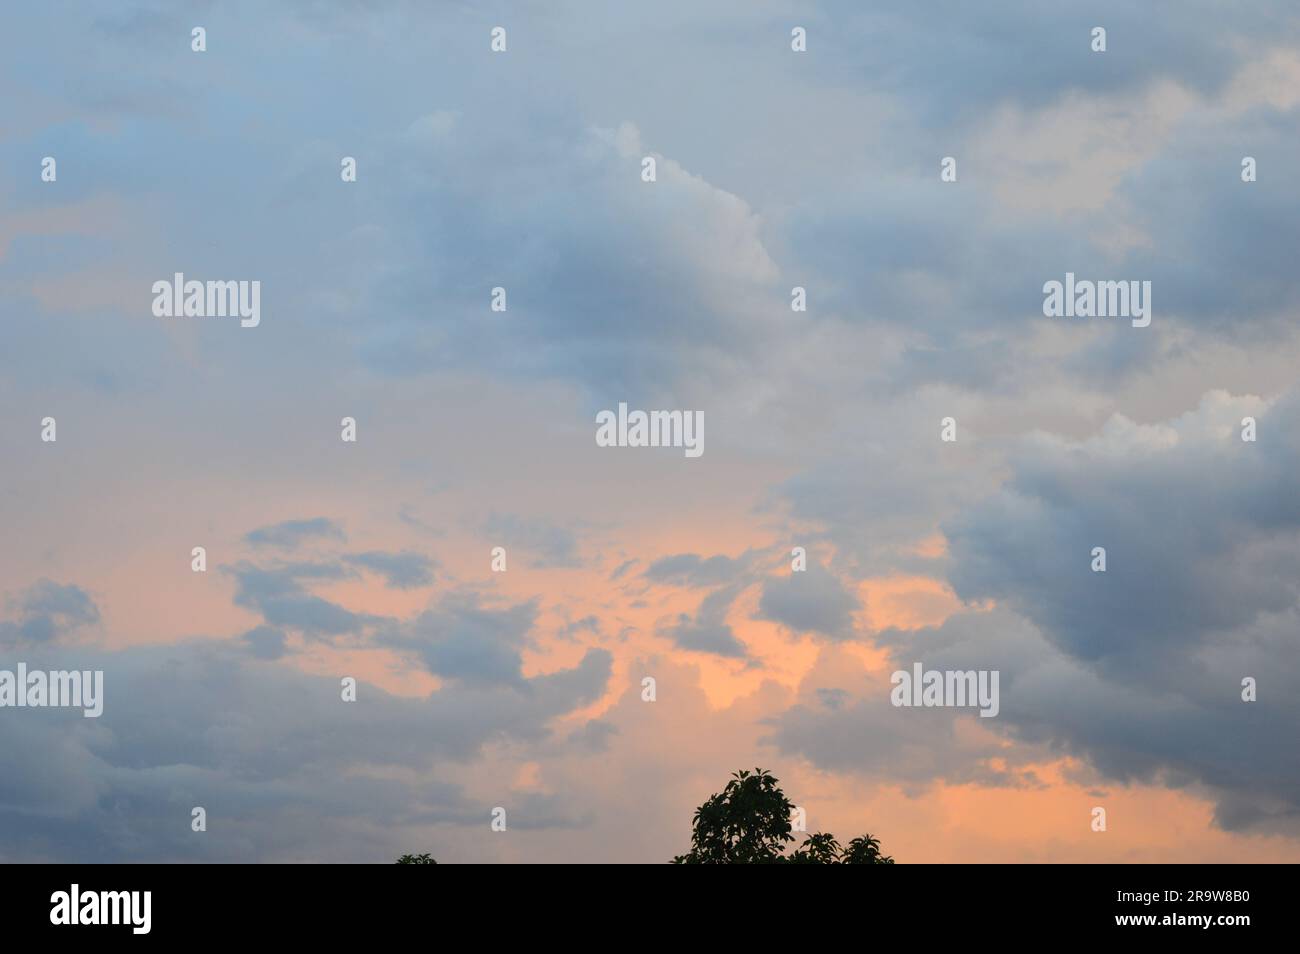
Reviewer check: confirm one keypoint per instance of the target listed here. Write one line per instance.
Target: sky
(525, 689)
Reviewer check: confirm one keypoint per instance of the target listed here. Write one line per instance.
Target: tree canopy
(748, 822)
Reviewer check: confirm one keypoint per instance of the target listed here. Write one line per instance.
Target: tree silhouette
(748, 822)
(424, 859)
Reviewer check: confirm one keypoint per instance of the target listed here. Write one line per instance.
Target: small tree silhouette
(424, 859)
(748, 822)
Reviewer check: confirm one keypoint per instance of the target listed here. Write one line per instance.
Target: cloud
(587, 624)
(277, 593)
(621, 569)
(593, 735)
(1051, 53)
(402, 571)
(1184, 726)
(1136, 672)
(551, 545)
(707, 631)
(690, 569)
(44, 610)
(924, 301)
(688, 297)
(274, 755)
(465, 639)
(1201, 532)
(810, 601)
(265, 642)
(293, 533)
(1139, 669)
(857, 730)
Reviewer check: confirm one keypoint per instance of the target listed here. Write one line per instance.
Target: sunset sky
(475, 429)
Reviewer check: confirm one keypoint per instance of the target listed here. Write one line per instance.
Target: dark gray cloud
(810, 601)
(450, 212)
(279, 595)
(1021, 52)
(861, 732)
(707, 631)
(274, 755)
(1183, 726)
(1138, 670)
(549, 544)
(985, 366)
(293, 533)
(594, 735)
(832, 698)
(621, 569)
(473, 642)
(691, 569)
(587, 624)
(402, 571)
(885, 481)
(1201, 532)
(45, 609)
(913, 748)
(265, 642)
(1243, 288)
